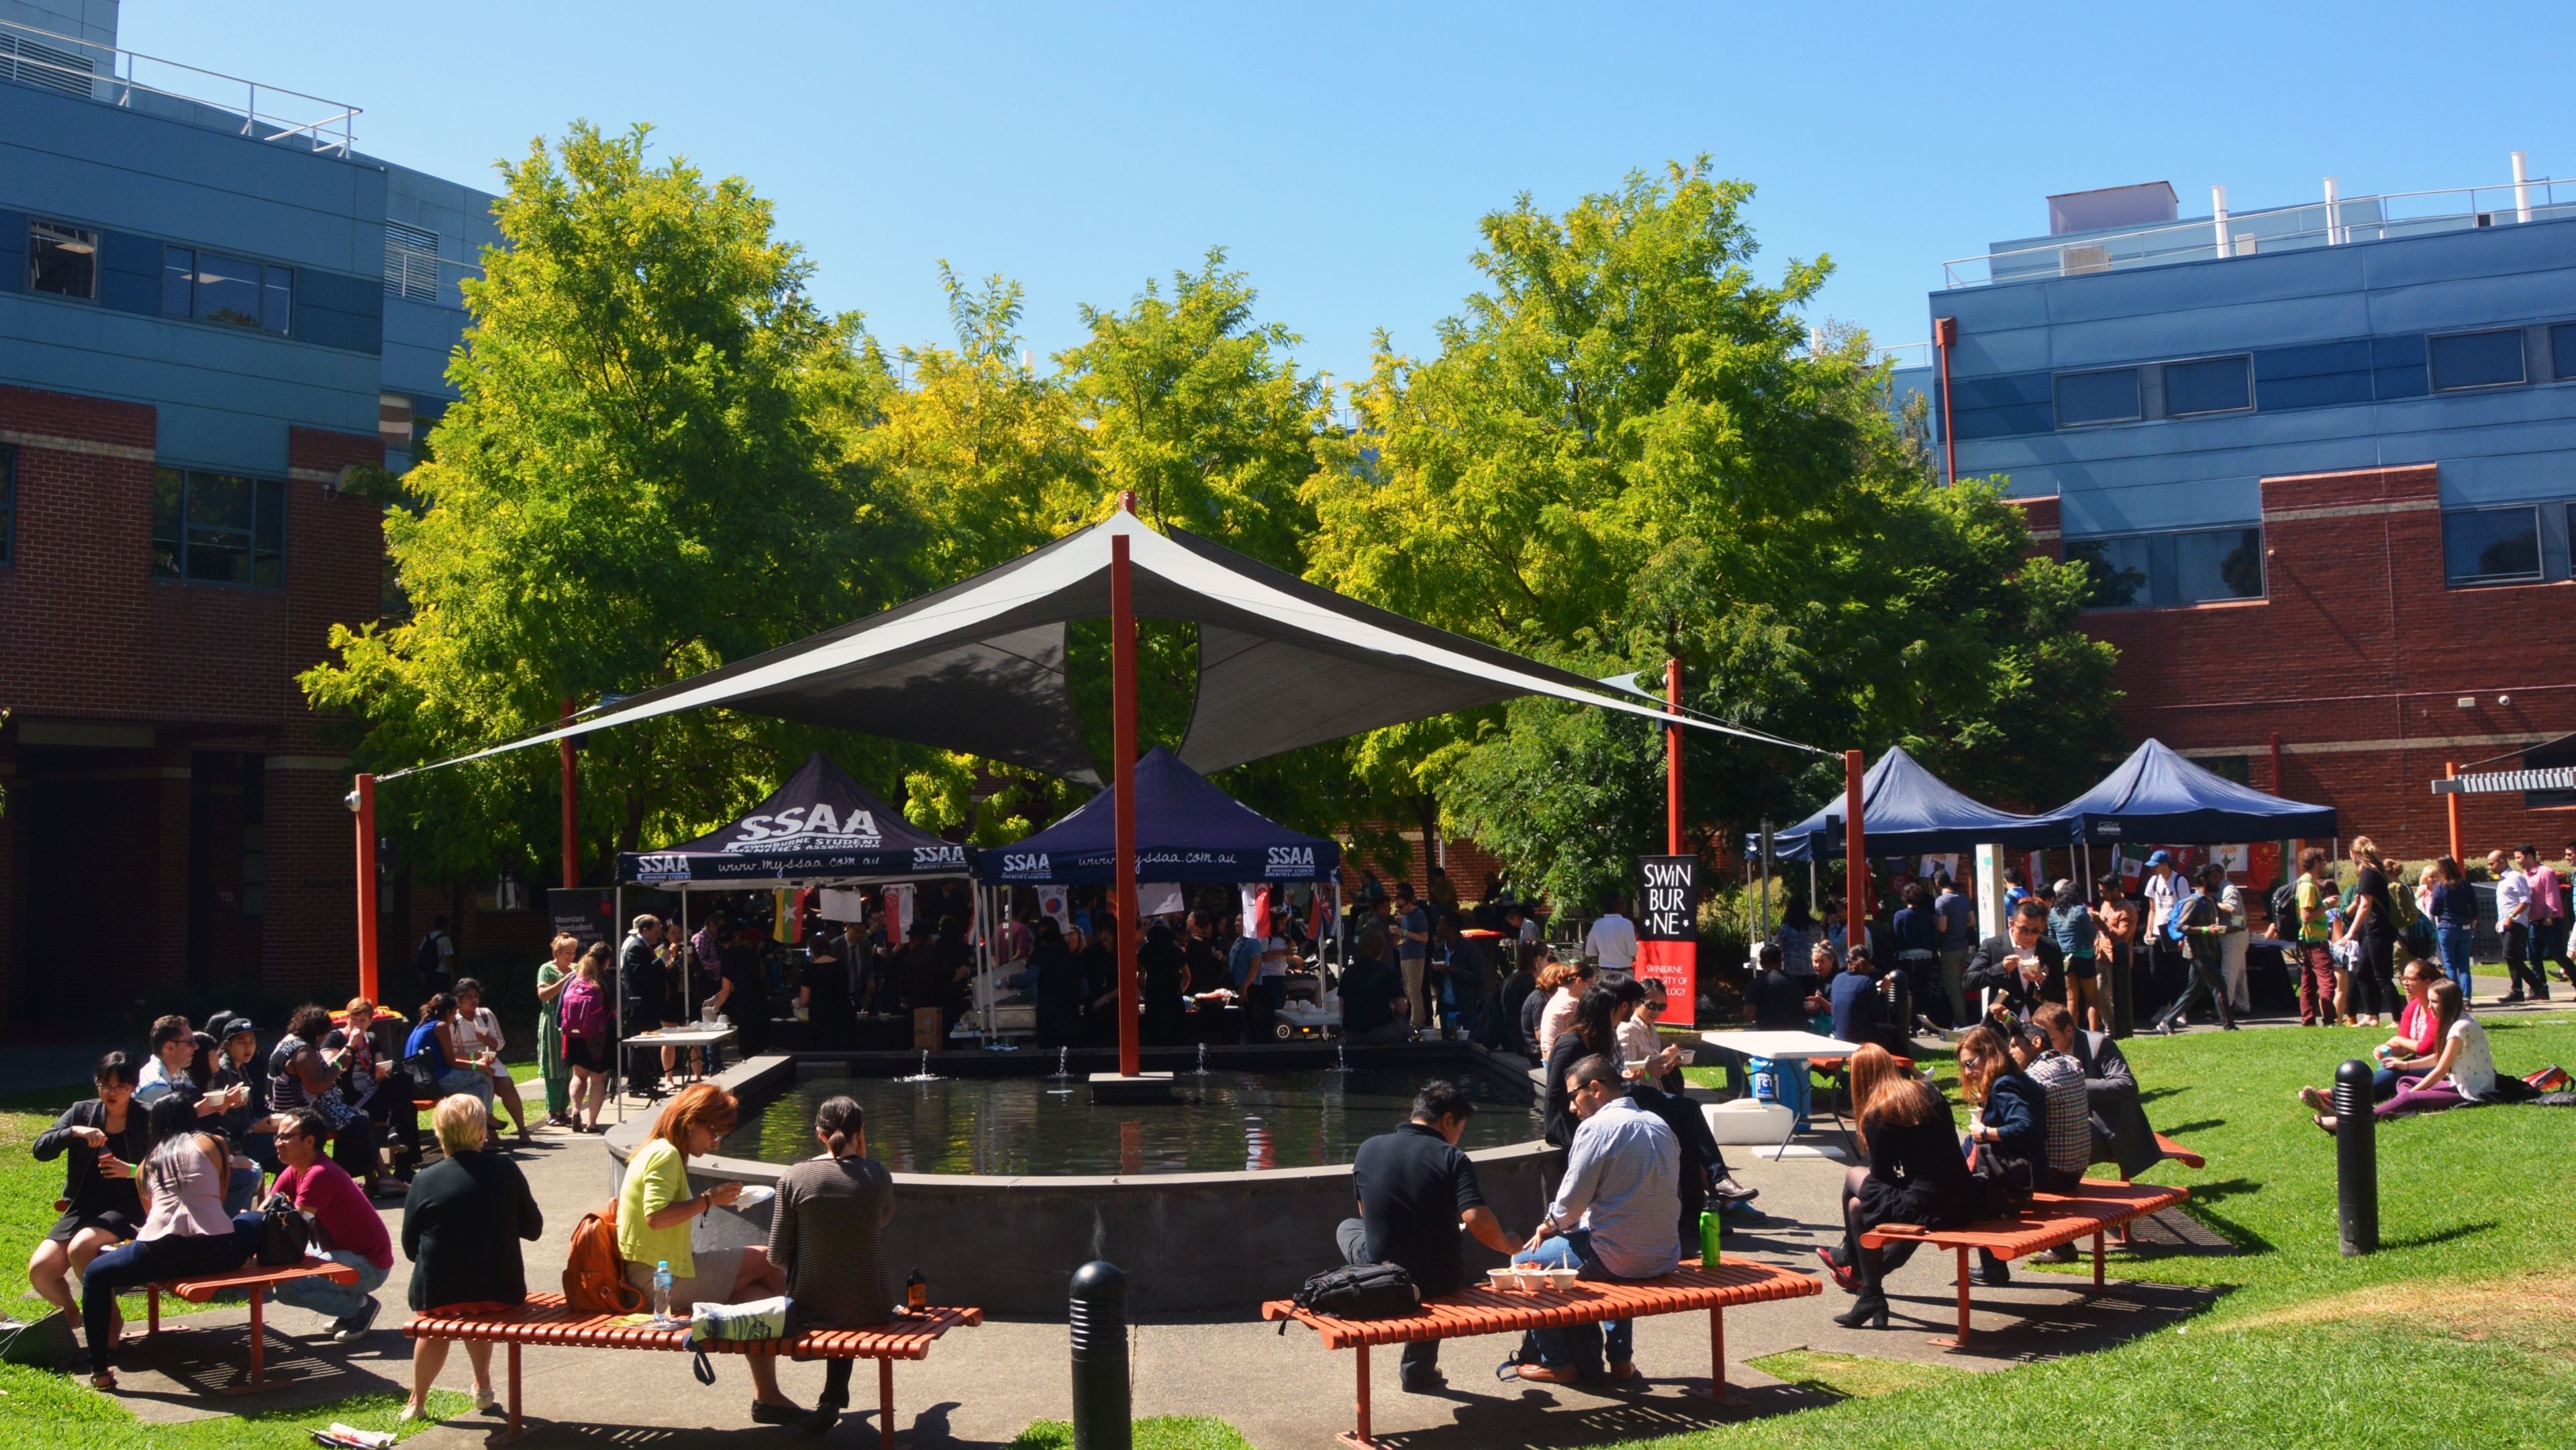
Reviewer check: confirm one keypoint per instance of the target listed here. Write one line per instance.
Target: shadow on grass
(2203, 1205)
(2196, 1125)
(1536, 1418)
(2438, 1236)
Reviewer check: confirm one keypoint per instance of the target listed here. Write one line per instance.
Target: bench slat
(199, 1290)
(2050, 1219)
(546, 1319)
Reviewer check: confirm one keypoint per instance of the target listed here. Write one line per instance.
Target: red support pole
(1945, 333)
(1122, 657)
(2451, 806)
(571, 807)
(1673, 760)
(1855, 862)
(365, 797)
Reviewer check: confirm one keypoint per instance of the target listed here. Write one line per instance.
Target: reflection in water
(1224, 1122)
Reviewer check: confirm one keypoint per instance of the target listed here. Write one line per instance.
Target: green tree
(652, 469)
(1629, 447)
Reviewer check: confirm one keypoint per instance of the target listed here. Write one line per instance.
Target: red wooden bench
(546, 1319)
(1482, 1310)
(2179, 1153)
(2048, 1220)
(258, 1281)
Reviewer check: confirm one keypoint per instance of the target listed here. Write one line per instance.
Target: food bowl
(1502, 1281)
(1561, 1279)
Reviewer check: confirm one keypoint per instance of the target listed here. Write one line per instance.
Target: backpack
(582, 1013)
(1359, 1291)
(426, 961)
(594, 1276)
(2285, 910)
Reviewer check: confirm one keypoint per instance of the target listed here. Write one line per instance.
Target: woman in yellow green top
(655, 1211)
(551, 977)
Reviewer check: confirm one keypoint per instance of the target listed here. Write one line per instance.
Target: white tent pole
(680, 952)
(617, 974)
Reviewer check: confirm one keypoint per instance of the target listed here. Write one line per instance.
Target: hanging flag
(1256, 910)
(898, 898)
(1051, 901)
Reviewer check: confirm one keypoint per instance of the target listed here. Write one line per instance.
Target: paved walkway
(980, 1387)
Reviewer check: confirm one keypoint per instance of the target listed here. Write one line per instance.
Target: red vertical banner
(1668, 932)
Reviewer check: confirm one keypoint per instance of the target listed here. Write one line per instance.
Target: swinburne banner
(1668, 932)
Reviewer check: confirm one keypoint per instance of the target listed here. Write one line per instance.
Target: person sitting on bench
(104, 1141)
(2462, 1073)
(350, 1225)
(1915, 1175)
(185, 1229)
(462, 1225)
(1856, 1007)
(2121, 1133)
(2010, 1132)
(1616, 1217)
(1374, 1007)
(1415, 1191)
(823, 1237)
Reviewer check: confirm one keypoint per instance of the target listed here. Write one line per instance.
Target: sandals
(104, 1381)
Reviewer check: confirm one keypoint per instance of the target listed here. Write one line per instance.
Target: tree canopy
(1626, 445)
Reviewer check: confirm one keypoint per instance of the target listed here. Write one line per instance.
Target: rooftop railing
(69, 64)
(2332, 222)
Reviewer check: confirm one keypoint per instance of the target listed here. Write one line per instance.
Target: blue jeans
(241, 1189)
(335, 1300)
(2454, 942)
(470, 1080)
(1579, 1347)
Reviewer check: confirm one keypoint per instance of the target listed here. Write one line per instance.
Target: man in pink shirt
(351, 1232)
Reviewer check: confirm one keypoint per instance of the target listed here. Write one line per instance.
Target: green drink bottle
(1711, 1232)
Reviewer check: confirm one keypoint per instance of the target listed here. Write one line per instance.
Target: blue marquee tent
(2157, 797)
(1908, 811)
(1187, 831)
(819, 825)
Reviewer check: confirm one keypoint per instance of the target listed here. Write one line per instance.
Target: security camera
(351, 801)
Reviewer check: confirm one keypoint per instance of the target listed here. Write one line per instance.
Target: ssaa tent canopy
(819, 825)
(2156, 796)
(980, 666)
(1187, 830)
(1908, 811)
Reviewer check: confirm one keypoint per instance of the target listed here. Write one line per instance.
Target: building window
(2192, 566)
(411, 262)
(2491, 546)
(2211, 564)
(62, 260)
(394, 421)
(211, 287)
(2562, 349)
(2103, 397)
(8, 502)
(2121, 571)
(2476, 359)
(218, 528)
(2209, 385)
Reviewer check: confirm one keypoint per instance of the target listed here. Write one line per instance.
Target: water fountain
(925, 1075)
(1062, 1077)
(1341, 1062)
(1201, 1070)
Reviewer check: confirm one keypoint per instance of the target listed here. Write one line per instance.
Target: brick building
(206, 318)
(2323, 468)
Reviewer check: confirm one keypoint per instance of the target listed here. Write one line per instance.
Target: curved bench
(1481, 1310)
(546, 1319)
(2047, 1221)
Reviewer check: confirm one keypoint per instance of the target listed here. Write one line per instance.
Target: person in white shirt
(174, 1047)
(474, 1029)
(2232, 945)
(2164, 888)
(2461, 1070)
(1612, 941)
(2513, 924)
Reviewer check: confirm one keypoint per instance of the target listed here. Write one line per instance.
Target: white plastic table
(1785, 1045)
(671, 1037)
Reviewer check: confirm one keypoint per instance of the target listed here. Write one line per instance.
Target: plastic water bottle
(662, 1295)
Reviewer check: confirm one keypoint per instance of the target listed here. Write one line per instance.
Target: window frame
(2165, 376)
(2161, 564)
(2432, 369)
(174, 531)
(91, 235)
(2057, 397)
(2539, 560)
(2263, 579)
(2562, 351)
(8, 505)
(264, 281)
(2145, 597)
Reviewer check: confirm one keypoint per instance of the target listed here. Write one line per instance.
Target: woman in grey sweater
(823, 1233)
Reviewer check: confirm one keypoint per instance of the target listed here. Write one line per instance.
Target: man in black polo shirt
(1415, 1191)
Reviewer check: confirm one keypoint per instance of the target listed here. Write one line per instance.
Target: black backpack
(1359, 1291)
(2285, 910)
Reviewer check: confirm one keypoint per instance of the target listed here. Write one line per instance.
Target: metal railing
(2333, 221)
(66, 63)
(1903, 355)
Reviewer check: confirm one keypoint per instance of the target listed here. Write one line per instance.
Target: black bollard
(1100, 1402)
(2356, 1161)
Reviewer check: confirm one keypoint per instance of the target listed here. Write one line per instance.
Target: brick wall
(2357, 657)
(86, 634)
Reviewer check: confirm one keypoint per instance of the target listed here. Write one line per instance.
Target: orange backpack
(594, 1277)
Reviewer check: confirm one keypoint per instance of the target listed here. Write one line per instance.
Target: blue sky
(1343, 154)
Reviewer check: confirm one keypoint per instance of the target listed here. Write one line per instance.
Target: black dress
(91, 1200)
(462, 1225)
(1917, 1175)
(1159, 968)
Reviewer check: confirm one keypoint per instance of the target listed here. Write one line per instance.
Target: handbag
(285, 1234)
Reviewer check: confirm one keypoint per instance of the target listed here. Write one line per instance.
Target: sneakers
(355, 1326)
(2062, 1254)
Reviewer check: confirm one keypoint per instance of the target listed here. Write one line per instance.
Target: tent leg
(680, 954)
(617, 1068)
